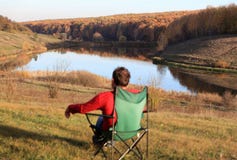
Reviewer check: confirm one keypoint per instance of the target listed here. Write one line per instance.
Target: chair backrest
(129, 109)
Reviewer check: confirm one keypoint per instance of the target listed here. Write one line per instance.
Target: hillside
(9, 26)
(207, 38)
(213, 51)
(17, 42)
(208, 22)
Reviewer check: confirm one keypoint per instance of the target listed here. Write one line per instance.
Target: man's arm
(91, 105)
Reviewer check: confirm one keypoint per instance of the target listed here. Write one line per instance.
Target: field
(182, 126)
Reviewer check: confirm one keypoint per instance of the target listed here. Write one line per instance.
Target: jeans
(98, 137)
(98, 125)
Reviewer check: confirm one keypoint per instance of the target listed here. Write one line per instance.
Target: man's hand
(67, 113)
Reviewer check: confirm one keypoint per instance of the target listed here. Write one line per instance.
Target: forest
(163, 28)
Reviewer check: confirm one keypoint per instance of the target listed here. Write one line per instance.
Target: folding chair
(128, 131)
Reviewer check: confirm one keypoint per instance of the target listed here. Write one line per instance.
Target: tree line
(130, 27)
(208, 22)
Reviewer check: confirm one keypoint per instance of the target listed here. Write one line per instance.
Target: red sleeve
(91, 105)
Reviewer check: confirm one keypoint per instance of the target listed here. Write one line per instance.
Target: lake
(142, 72)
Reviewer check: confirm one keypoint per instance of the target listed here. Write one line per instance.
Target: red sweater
(104, 102)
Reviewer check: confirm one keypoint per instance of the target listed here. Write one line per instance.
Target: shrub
(97, 37)
(122, 38)
(53, 90)
(229, 101)
(9, 86)
(154, 98)
(222, 64)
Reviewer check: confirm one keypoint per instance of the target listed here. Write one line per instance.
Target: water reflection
(9, 64)
(138, 53)
(204, 81)
(143, 72)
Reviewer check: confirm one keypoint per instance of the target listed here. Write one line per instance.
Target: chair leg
(100, 149)
(137, 151)
(131, 148)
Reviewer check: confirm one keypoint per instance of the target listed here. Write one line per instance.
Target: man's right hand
(67, 113)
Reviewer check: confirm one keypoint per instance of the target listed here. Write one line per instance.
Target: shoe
(98, 139)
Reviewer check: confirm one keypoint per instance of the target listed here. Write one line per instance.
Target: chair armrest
(102, 115)
(95, 114)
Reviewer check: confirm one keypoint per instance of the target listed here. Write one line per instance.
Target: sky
(28, 10)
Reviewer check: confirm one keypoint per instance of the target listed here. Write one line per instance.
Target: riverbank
(161, 60)
(216, 53)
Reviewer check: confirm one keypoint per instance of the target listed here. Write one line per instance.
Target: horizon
(28, 10)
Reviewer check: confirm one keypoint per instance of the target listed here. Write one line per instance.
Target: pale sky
(27, 10)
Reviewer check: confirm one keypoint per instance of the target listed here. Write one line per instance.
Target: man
(104, 101)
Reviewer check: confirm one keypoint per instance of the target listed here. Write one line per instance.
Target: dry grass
(187, 136)
(182, 126)
(13, 45)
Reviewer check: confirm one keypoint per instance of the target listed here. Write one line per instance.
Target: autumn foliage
(208, 22)
(129, 27)
(164, 28)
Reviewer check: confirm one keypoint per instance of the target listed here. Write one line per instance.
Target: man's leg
(99, 124)
(98, 137)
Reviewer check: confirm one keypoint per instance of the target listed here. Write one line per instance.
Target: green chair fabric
(129, 108)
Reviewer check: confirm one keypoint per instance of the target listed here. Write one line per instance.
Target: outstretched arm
(91, 105)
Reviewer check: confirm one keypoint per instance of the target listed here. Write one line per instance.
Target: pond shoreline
(214, 53)
(10, 60)
(89, 44)
(160, 60)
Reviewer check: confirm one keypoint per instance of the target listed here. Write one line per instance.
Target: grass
(41, 130)
(185, 136)
(182, 126)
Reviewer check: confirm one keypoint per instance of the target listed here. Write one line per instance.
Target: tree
(122, 38)
(97, 37)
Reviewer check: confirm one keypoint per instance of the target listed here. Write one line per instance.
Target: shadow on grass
(8, 131)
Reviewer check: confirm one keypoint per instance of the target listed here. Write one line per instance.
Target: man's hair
(121, 76)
